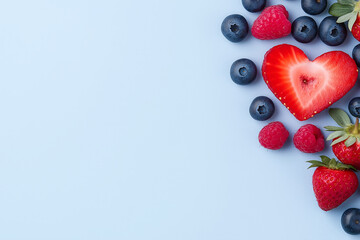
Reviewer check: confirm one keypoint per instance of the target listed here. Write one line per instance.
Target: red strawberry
(307, 87)
(355, 30)
(346, 138)
(333, 182)
(348, 11)
(348, 155)
(272, 23)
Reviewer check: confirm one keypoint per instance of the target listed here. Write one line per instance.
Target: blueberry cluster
(304, 29)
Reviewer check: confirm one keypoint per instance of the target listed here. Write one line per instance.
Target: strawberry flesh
(308, 87)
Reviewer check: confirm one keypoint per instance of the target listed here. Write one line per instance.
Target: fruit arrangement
(305, 88)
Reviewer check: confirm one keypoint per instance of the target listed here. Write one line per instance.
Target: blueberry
(356, 54)
(235, 28)
(313, 7)
(331, 32)
(243, 71)
(262, 108)
(254, 5)
(304, 29)
(350, 221)
(354, 107)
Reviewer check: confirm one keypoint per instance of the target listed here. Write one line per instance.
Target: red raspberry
(273, 136)
(272, 23)
(309, 139)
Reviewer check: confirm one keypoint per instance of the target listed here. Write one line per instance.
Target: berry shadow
(289, 142)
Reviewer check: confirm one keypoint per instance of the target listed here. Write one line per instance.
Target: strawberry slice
(308, 87)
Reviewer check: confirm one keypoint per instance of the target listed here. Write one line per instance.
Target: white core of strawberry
(308, 80)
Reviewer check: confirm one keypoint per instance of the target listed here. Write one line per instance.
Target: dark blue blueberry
(313, 7)
(304, 29)
(254, 5)
(350, 221)
(235, 28)
(331, 32)
(262, 108)
(243, 71)
(356, 54)
(354, 107)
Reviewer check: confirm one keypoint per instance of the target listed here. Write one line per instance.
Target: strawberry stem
(356, 127)
(357, 7)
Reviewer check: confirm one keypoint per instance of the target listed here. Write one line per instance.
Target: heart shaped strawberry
(307, 87)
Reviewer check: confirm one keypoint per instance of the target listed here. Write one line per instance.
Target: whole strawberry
(355, 30)
(345, 139)
(348, 11)
(272, 23)
(333, 182)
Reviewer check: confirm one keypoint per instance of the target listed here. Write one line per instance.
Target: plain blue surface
(119, 121)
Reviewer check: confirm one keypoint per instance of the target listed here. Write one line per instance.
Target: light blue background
(119, 121)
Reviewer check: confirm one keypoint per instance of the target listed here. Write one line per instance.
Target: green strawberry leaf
(335, 135)
(340, 139)
(340, 116)
(343, 166)
(325, 159)
(347, 2)
(346, 17)
(331, 128)
(330, 163)
(339, 10)
(352, 21)
(350, 141)
(315, 163)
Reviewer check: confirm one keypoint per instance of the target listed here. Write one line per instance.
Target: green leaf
(339, 10)
(331, 128)
(350, 141)
(315, 163)
(352, 168)
(340, 116)
(346, 17)
(335, 135)
(325, 159)
(346, 166)
(332, 164)
(352, 21)
(340, 139)
(347, 2)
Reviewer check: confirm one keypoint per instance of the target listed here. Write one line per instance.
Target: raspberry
(309, 139)
(272, 23)
(273, 136)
